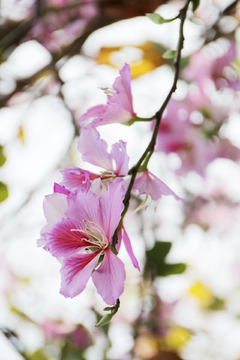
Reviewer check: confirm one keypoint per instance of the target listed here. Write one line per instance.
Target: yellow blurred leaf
(176, 337)
(21, 134)
(3, 191)
(202, 293)
(148, 57)
(146, 347)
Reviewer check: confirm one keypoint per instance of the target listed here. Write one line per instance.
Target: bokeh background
(55, 57)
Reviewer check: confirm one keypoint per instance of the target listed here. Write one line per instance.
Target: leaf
(105, 320)
(173, 269)
(195, 4)
(2, 157)
(3, 192)
(156, 260)
(157, 19)
(169, 54)
(217, 304)
(39, 355)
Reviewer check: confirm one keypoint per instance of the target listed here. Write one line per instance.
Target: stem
(158, 116)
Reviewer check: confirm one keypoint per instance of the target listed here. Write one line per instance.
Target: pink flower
(84, 236)
(147, 183)
(94, 150)
(119, 107)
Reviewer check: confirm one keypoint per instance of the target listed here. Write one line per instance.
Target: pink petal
(129, 249)
(94, 149)
(60, 189)
(84, 205)
(112, 206)
(76, 271)
(61, 241)
(96, 112)
(74, 177)
(121, 158)
(147, 183)
(114, 114)
(109, 278)
(54, 207)
(123, 96)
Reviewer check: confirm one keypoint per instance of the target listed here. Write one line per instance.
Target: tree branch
(150, 148)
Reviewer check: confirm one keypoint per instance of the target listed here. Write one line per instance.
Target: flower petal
(147, 183)
(61, 241)
(112, 206)
(129, 249)
(94, 149)
(84, 205)
(114, 114)
(74, 177)
(54, 207)
(120, 157)
(95, 112)
(109, 278)
(76, 271)
(60, 189)
(123, 95)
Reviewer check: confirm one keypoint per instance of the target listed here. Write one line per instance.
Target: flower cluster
(86, 208)
(191, 127)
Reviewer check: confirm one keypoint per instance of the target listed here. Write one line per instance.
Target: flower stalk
(158, 116)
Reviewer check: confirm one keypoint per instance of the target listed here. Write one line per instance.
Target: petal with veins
(76, 271)
(109, 278)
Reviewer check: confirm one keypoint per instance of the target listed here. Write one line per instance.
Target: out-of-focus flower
(119, 108)
(214, 65)
(83, 239)
(56, 30)
(197, 145)
(77, 335)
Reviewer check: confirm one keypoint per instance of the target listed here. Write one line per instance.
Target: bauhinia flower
(83, 237)
(94, 151)
(119, 108)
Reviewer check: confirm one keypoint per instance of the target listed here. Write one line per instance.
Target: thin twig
(158, 116)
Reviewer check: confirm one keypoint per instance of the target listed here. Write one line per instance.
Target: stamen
(96, 234)
(108, 91)
(141, 205)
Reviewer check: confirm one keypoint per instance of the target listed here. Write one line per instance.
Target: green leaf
(195, 4)
(157, 19)
(169, 54)
(39, 355)
(105, 319)
(173, 269)
(156, 260)
(2, 157)
(217, 304)
(3, 192)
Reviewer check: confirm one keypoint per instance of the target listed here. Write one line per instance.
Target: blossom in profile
(94, 151)
(83, 237)
(149, 184)
(119, 108)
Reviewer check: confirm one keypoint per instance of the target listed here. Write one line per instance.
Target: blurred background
(55, 57)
